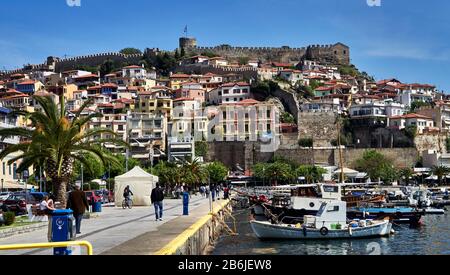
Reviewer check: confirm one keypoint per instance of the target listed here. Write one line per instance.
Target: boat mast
(341, 162)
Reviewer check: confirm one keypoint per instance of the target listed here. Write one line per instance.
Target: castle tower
(188, 43)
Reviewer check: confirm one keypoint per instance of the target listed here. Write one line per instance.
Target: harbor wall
(247, 154)
(199, 238)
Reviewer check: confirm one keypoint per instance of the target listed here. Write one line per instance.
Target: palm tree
(56, 141)
(440, 171)
(193, 173)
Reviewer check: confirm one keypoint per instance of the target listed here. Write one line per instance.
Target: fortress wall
(95, 60)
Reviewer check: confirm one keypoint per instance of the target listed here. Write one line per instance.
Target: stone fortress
(338, 54)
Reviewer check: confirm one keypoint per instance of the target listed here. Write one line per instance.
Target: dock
(117, 231)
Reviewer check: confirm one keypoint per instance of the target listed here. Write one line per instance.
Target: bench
(37, 215)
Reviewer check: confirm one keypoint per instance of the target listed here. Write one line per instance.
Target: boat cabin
(310, 197)
(330, 213)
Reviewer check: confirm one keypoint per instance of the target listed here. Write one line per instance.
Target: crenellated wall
(333, 54)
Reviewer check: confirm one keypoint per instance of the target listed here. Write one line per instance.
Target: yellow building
(177, 79)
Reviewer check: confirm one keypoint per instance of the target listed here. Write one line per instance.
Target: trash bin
(186, 203)
(62, 229)
(97, 207)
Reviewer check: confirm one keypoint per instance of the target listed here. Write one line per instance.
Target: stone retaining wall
(198, 239)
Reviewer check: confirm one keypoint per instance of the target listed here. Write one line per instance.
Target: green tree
(169, 173)
(217, 172)
(440, 171)
(107, 67)
(209, 54)
(287, 118)
(243, 60)
(201, 148)
(57, 141)
(311, 173)
(306, 142)
(193, 174)
(416, 105)
(130, 51)
(388, 173)
(274, 172)
(375, 164)
(314, 84)
(406, 174)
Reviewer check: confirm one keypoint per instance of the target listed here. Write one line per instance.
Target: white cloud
(409, 52)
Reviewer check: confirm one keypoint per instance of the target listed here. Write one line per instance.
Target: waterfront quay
(117, 231)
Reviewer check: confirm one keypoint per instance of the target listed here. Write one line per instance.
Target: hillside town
(183, 105)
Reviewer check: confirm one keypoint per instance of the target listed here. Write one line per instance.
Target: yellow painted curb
(175, 244)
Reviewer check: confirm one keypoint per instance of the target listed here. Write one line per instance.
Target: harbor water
(431, 238)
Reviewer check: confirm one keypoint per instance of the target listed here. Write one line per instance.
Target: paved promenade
(125, 232)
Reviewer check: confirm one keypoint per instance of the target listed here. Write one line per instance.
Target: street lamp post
(82, 180)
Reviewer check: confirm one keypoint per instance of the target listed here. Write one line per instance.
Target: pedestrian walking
(213, 192)
(207, 191)
(157, 198)
(78, 203)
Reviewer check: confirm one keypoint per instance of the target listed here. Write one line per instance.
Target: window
(224, 129)
(334, 208)
(143, 104)
(244, 91)
(4, 168)
(225, 92)
(120, 127)
(152, 104)
(224, 114)
(9, 169)
(268, 114)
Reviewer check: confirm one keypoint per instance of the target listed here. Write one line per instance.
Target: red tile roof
(232, 84)
(180, 76)
(86, 76)
(105, 105)
(411, 116)
(109, 85)
(184, 99)
(133, 67)
(248, 102)
(27, 82)
(284, 65)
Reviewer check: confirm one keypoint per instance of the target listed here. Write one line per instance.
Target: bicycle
(127, 203)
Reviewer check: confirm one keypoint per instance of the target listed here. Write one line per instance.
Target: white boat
(436, 211)
(329, 223)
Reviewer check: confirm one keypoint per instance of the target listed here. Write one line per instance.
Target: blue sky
(406, 39)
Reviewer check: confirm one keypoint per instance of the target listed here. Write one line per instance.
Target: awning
(16, 185)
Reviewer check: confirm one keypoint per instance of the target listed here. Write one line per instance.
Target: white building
(292, 76)
(229, 93)
(421, 122)
(410, 93)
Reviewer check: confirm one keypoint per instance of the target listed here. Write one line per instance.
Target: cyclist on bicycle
(127, 194)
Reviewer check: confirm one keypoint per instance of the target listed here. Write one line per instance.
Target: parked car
(4, 196)
(17, 202)
(92, 197)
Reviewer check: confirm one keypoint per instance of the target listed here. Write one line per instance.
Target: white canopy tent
(141, 184)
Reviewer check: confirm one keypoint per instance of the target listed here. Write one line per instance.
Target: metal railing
(86, 244)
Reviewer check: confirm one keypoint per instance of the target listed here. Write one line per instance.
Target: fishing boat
(330, 222)
(396, 214)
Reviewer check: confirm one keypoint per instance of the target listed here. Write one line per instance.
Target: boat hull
(265, 230)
